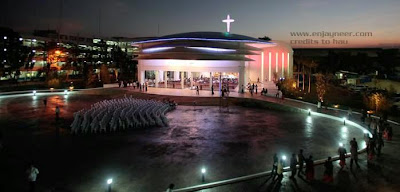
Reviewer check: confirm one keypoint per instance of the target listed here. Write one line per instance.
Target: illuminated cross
(228, 22)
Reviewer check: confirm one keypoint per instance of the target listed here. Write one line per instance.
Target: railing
(249, 177)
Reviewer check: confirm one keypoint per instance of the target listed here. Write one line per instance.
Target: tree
(104, 74)
(124, 62)
(378, 102)
(288, 86)
(88, 75)
(310, 65)
(322, 85)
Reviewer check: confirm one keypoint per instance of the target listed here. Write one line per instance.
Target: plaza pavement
(382, 174)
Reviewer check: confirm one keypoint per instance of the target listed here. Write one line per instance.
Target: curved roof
(205, 36)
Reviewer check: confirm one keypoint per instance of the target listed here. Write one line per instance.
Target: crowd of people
(380, 130)
(297, 162)
(127, 112)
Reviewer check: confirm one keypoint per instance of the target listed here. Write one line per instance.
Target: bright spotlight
(284, 157)
(341, 144)
(344, 129)
(34, 93)
(203, 170)
(65, 92)
(109, 181)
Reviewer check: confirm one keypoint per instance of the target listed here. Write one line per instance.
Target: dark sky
(276, 19)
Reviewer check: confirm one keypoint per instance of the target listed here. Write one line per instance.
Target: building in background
(47, 50)
(209, 58)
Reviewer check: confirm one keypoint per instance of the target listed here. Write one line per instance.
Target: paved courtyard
(229, 142)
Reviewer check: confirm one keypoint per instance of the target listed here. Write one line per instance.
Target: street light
(109, 182)
(34, 93)
(284, 157)
(203, 172)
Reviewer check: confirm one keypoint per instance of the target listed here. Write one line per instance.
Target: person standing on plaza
(310, 168)
(293, 164)
(328, 173)
(212, 89)
(363, 115)
(389, 133)
(170, 187)
(197, 90)
(342, 156)
(349, 113)
(354, 153)
(300, 160)
(32, 173)
(57, 113)
(242, 88)
(256, 89)
(45, 102)
(279, 170)
(274, 165)
(380, 145)
(371, 148)
(146, 87)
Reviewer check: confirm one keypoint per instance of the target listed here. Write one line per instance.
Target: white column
(165, 79)
(182, 79)
(262, 67)
(191, 78)
(220, 83)
(161, 75)
(141, 77)
(283, 64)
(269, 66)
(241, 76)
(156, 73)
(211, 81)
(176, 75)
(276, 62)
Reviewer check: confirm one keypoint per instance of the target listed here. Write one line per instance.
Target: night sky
(276, 19)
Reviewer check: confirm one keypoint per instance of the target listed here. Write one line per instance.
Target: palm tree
(310, 64)
(306, 63)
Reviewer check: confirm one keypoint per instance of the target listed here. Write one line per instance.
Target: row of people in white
(127, 112)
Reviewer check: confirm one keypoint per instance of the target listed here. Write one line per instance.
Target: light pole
(309, 112)
(109, 182)
(203, 172)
